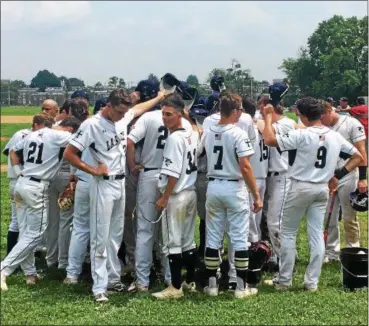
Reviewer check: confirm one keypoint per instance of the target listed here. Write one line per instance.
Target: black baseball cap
(344, 99)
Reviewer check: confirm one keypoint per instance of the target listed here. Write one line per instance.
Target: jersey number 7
(219, 165)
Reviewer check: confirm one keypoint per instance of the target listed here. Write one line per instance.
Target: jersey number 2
(322, 157)
(162, 137)
(33, 148)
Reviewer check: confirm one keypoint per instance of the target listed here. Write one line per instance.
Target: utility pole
(9, 93)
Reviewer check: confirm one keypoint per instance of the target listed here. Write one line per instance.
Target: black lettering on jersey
(191, 162)
(203, 153)
(321, 157)
(248, 143)
(291, 156)
(361, 129)
(112, 142)
(264, 150)
(344, 156)
(163, 136)
(218, 149)
(61, 152)
(79, 133)
(93, 147)
(167, 161)
(35, 153)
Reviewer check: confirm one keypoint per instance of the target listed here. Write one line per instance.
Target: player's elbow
(130, 143)
(270, 140)
(358, 159)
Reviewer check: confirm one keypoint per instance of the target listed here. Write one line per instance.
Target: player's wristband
(340, 173)
(17, 170)
(362, 172)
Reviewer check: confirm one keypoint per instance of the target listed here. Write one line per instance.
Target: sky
(94, 40)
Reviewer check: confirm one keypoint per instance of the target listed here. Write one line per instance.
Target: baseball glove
(66, 198)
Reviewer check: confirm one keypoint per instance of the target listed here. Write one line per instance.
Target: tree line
(334, 62)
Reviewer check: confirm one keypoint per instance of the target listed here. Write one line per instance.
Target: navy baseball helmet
(80, 93)
(148, 89)
(359, 201)
(277, 91)
(217, 83)
(330, 100)
(168, 81)
(99, 104)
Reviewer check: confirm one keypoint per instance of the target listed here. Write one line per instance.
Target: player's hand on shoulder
(362, 186)
(101, 170)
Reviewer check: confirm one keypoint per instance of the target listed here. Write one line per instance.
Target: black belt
(273, 174)
(114, 177)
(150, 169)
(32, 179)
(233, 180)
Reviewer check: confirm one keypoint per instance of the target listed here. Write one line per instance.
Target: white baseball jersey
(18, 136)
(151, 127)
(180, 160)
(278, 160)
(106, 139)
(352, 130)
(245, 123)
(314, 152)
(223, 145)
(43, 152)
(260, 160)
(88, 159)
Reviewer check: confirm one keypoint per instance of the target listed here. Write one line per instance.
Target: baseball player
(353, 131)
(105, 134)
(277, 183)
(227, 205)
(259, 162)
(81, 215)
(314, 152)
(58, 231)
(38, 122)
(244, 122)
(42, 160)
(177, 201)
(151, 128)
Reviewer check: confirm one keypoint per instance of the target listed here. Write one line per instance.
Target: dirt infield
(4, 138)
(4, 168)
(16, 119)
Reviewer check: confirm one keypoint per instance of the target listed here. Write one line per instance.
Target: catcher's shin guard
(212, 262)
(259, 254)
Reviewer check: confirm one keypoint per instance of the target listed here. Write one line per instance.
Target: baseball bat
(329, 218)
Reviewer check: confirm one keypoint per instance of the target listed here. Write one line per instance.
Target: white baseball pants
(310, 200)
(13, 227)
(350, 221)
(255, 218)
(227, 209)
(32, 201)
(59, 229)
(81, 229)
(277, 188)
(178, 223)
(107, 201)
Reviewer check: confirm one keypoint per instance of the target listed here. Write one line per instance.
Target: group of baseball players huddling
(148, 162)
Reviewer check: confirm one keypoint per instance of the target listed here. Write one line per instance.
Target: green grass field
(9, 129)
(51, 302)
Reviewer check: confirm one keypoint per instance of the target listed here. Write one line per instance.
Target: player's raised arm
(141, 108)
(268, 132)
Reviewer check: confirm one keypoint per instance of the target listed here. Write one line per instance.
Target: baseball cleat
(281, 287)
(135, 287)
(247, 292)
(118, 287)
(190, 287)
(232, 286)
(211, 291)
(169, 293)
(32, 279)
(101, 297)
(310, 289)
(4, 286)
(70, 280)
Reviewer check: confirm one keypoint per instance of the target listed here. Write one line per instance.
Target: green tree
(45, 78)
(113, 81)
(335, 60)
(192, 80)
(98, 85)
(152, 77)
(75, 82)
(121, 83)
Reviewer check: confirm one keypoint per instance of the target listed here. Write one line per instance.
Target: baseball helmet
(199, 109)
(148, 89)
(168, 82)
(99, 104)
(189, 96)
(217, 83)
(80, 93)
(359, 201)
(277, 91)
(259, 254)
